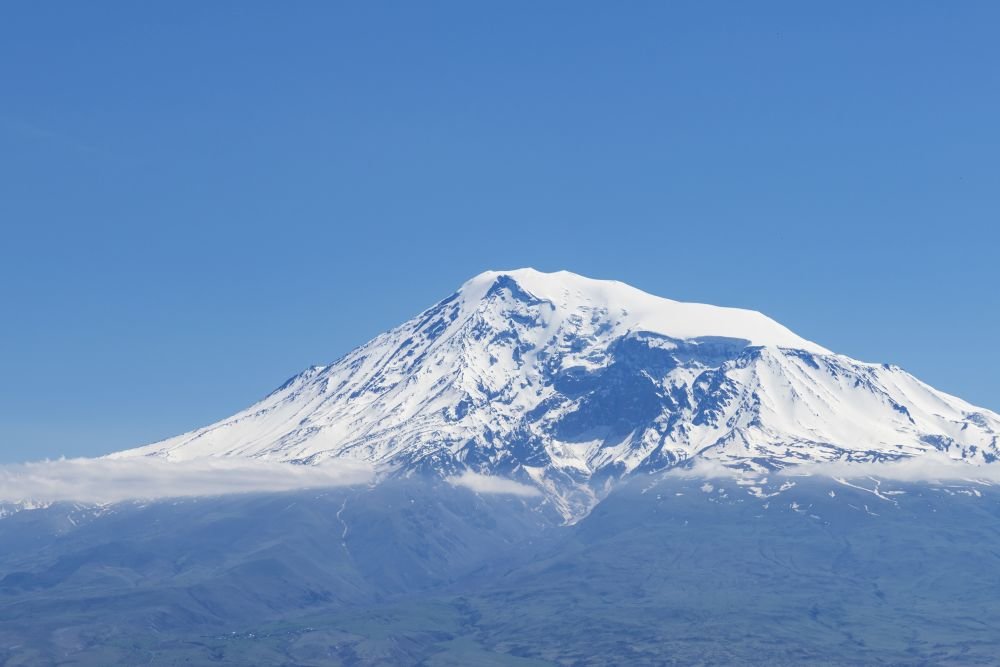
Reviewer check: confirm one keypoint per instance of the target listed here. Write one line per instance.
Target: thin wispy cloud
(489, 484)
(114, 480)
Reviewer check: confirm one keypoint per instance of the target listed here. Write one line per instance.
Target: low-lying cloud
(931, 467)
(493, 485)
(925, 468)
(114, 480)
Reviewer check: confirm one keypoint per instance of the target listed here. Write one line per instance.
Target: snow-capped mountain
(571, 383)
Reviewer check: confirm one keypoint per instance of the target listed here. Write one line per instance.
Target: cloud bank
(926, 468)
(493, 485)
(931, 467)
(113, 480)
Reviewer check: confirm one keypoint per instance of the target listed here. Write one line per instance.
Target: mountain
(571, 384)
(582, 389)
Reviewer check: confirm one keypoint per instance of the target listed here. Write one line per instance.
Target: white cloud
(927, 468)
(706, 469)
(490, 484)
(112, 480)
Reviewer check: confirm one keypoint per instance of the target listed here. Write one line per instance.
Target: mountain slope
(571, 383)
(674, 571)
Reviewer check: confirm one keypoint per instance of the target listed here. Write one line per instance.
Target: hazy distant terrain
(669, 571)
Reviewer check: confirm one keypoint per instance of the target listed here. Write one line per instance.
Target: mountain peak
(635, 310)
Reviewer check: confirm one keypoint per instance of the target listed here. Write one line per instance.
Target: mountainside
(415, 572)
(570, 383)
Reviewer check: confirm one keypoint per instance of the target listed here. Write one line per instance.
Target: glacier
(571, 384)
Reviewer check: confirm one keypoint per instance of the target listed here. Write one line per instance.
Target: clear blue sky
(198, 199)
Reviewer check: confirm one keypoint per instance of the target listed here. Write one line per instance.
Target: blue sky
(197, 200)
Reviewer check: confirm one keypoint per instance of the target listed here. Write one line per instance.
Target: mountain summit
(569, 384)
